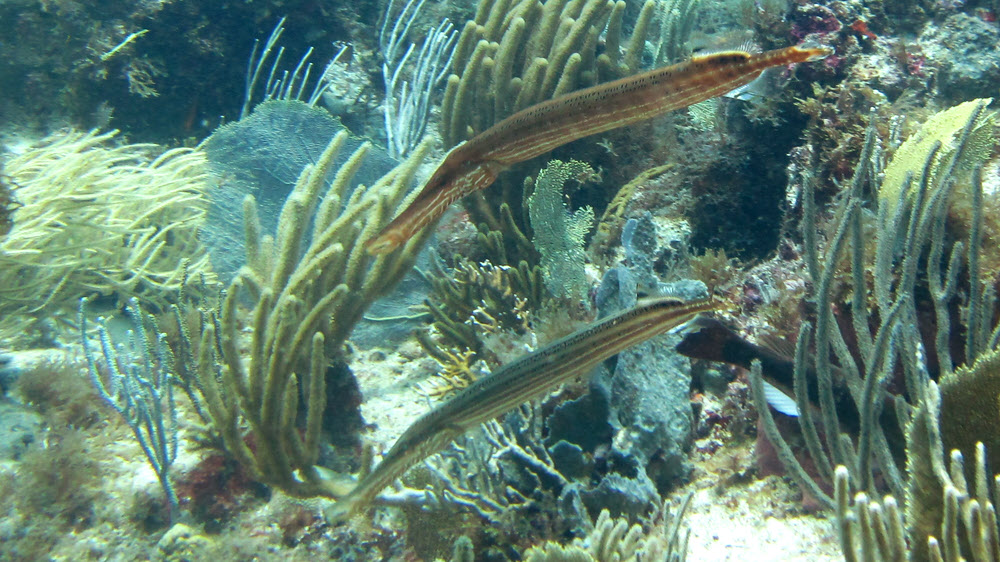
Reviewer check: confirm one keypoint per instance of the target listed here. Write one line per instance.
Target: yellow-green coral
(478, 299)
(516, 53)
(944, 127)
(7, 203)
(615, 540)
(558, 235)
(97, 217)
(970, 407)
(946, 130)
(455, 374)
(309, 289)
(949, 511)
(676, 23)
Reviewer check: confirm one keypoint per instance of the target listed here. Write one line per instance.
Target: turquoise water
(213, 332)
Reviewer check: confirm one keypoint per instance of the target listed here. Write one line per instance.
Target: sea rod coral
(309, 287)
(894, 312)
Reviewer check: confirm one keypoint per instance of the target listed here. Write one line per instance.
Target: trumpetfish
(523, 379)
(535, 130)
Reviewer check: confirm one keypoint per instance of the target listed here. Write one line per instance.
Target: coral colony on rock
(500, 280)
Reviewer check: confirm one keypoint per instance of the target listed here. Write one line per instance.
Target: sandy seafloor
(730, 517)
(758, 520)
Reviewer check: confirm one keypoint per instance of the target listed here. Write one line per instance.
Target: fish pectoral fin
(780, 401)
(756, 88)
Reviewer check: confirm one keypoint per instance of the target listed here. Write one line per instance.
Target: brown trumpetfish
(523, 379)
(475, 164)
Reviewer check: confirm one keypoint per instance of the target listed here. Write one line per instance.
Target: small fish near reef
(519, 381)
(711, 340)
(475, 164)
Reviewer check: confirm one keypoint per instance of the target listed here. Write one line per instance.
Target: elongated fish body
(517, 382)
(538, 129)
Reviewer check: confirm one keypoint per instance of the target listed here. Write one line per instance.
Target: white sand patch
(388, 382)
(760, 520)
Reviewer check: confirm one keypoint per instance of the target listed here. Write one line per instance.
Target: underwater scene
(500, 280)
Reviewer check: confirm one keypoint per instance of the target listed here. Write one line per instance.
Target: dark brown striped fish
(538, 129)
(711, 340)
(523, 379)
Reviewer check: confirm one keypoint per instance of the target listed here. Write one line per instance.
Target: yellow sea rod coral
(98, 217)
(661, 539)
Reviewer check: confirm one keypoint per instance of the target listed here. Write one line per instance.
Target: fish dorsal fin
(747, 46)
(778, 345)
(737, 40)
(751, 47)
